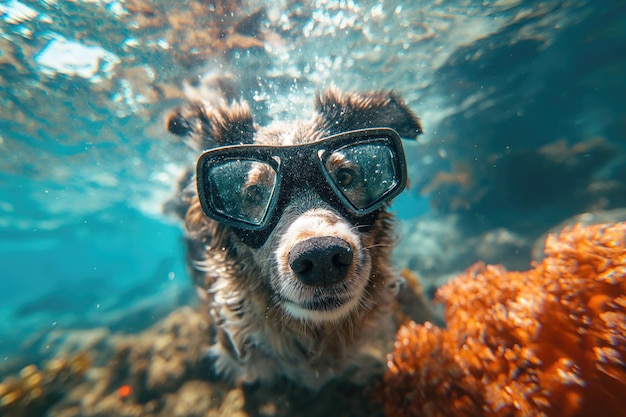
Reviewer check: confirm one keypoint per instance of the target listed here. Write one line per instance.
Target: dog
(307, 296)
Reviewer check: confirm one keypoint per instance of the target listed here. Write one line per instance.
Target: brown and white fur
(261, 330)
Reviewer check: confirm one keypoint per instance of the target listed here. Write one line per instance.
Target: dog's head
(303, 217)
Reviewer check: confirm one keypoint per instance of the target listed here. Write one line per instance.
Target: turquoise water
(512, 96)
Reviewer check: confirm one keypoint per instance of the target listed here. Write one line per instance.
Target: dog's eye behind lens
(345, 177)
(255, 194)
(363, 173)
(242, 190)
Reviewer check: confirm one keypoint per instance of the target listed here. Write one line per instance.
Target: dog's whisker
(351, 328)
(377, 245)
(364, 302)
(359, 228)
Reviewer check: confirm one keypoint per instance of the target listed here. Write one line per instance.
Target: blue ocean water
(523, 104)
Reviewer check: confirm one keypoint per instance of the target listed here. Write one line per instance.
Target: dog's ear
(206, 127)
(341, 112)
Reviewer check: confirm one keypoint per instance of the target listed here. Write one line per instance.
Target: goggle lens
(241, 189)
(362, 173)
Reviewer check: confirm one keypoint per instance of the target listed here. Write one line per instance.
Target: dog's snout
(321, 261)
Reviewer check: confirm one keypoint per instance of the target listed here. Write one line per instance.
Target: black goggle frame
(298, 166)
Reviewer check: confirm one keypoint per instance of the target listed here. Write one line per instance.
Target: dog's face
(317, 260)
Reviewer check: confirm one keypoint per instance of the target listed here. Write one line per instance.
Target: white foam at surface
(72, 58)
(15, 12)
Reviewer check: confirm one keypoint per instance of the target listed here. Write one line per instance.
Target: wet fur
(256, 338)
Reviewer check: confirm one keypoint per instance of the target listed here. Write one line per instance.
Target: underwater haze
(523, 104)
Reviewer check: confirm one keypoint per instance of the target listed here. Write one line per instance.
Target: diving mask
(248, 186)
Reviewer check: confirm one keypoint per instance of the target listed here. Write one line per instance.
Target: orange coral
(545, 342)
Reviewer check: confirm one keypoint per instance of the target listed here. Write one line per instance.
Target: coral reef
(164, 372)
(33, 390)
(139, 374)
(549, 341)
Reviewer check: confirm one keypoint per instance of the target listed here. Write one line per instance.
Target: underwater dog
(288, 231)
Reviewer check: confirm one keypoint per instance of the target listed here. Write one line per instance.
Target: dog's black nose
(320, 261)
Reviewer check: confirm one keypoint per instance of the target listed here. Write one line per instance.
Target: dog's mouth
(318, 304)
(321, 309)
